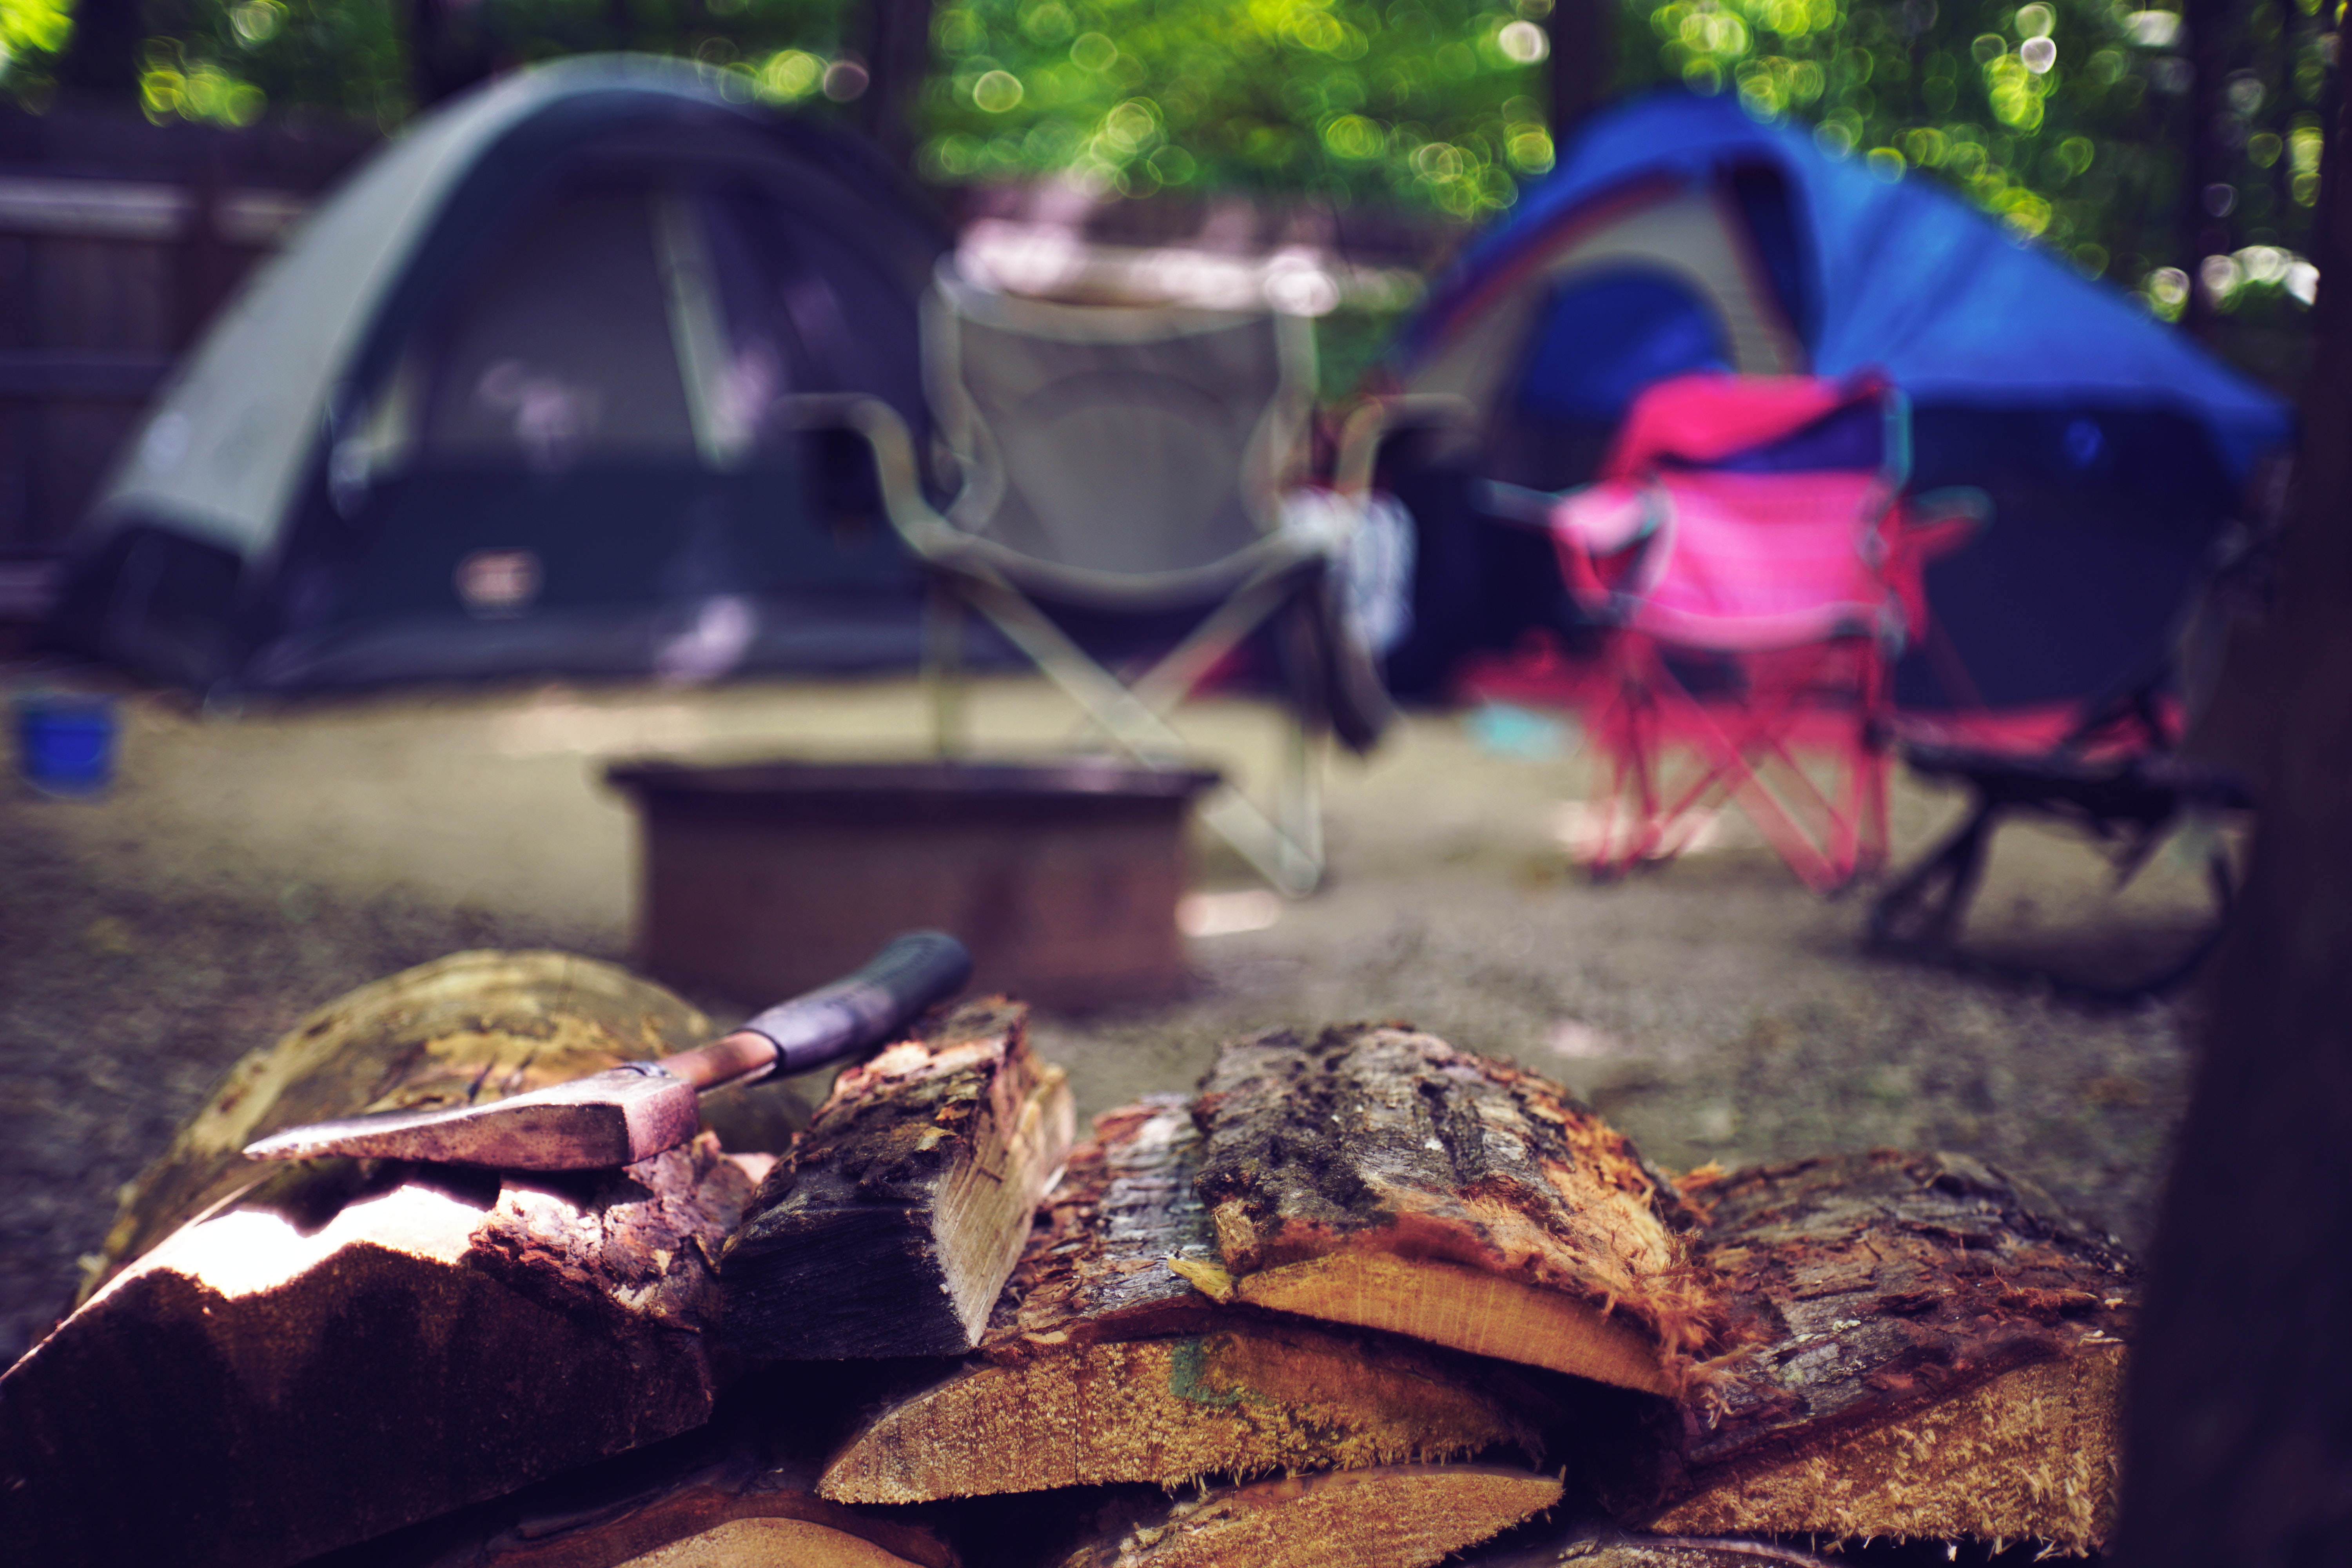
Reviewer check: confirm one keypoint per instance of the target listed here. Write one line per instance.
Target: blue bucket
(65, 745)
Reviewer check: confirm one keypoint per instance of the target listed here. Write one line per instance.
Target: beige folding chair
(1116, 465)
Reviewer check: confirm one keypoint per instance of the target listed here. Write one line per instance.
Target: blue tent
(1678, 233)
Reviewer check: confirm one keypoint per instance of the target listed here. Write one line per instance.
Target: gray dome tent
(505, 407)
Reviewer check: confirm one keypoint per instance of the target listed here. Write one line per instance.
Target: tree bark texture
(2240, 1427)
(1403, 1516)
(895, 1220)
(1104, 1364)
(1924, 1348)
(1377, 1177)
(288, 1377)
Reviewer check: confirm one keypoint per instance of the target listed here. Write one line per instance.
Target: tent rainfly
(1679, 234)
(506, 406)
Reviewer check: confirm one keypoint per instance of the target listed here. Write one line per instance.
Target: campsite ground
(248, 868)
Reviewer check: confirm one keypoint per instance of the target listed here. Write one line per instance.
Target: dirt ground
(248, 868)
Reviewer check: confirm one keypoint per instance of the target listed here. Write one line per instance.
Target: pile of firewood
(1363, 1299)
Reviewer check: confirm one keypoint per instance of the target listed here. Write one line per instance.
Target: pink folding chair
(1747, 551)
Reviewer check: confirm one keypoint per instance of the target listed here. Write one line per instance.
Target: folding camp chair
(1120, 472)
(1755, 571)
(2117, 779)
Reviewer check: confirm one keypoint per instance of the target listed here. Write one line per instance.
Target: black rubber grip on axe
(864, 1009)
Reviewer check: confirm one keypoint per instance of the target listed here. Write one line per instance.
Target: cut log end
(2029, 1455)
(1387, 1516)
(1249, 1399)
(767, 1543)
(893, 1225)
(1464, 1308)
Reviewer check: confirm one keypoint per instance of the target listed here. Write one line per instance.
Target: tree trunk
(2203, 231)
(1927, 1348)
(894, 1224)
(1582, 61)
(1377, 1177)
(101, 58)
(899, 56)
(1401, 1516)
(2241, 1424)
(1104, 1364)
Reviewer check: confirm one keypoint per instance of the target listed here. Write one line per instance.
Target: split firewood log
(1376, 1175)
(738, 1493)
(1103, 1362)
(1391, 1516)
(339, 1347)
(284, 1378)
(1925, 1348)
(469, 1028)
(892, 1225)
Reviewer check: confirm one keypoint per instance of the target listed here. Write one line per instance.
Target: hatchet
(635, 1110)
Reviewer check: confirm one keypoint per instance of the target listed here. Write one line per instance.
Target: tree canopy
(2073, 121)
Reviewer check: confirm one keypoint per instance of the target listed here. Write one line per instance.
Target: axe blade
(605, 1120)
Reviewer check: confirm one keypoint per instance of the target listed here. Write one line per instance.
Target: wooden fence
(118, 241)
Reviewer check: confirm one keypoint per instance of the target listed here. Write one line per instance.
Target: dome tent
(1679, 234)
(505, 406)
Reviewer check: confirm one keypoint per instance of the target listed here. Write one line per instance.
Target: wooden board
(895, 1220)
(1376, 1175)
(1929, 1349)
(288, 1376)
(1401, 1516)
(1104, 1363)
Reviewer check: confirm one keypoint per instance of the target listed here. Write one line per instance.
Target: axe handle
(844, 1019)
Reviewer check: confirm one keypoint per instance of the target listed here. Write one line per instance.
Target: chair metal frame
(1279, 579)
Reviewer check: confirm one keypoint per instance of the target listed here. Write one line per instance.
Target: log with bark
(289, 1375)
(339, 1347)
(1925, 1348)
(891, 1227)
(1376, 1175)
(1104, 1363)
(471, 1026)
(739, 1492)
(1393, 1516)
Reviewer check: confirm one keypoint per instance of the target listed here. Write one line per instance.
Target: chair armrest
(893, 446)
(1372, 421)
(1615, 521)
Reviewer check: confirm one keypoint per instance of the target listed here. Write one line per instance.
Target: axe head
(605, 1120)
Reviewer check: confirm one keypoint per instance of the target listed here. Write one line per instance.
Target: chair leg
(1292, 864)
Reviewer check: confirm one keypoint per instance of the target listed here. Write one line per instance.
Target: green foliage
(2064, 118)
(232, 60)
(1429, 101)
(30, 31)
